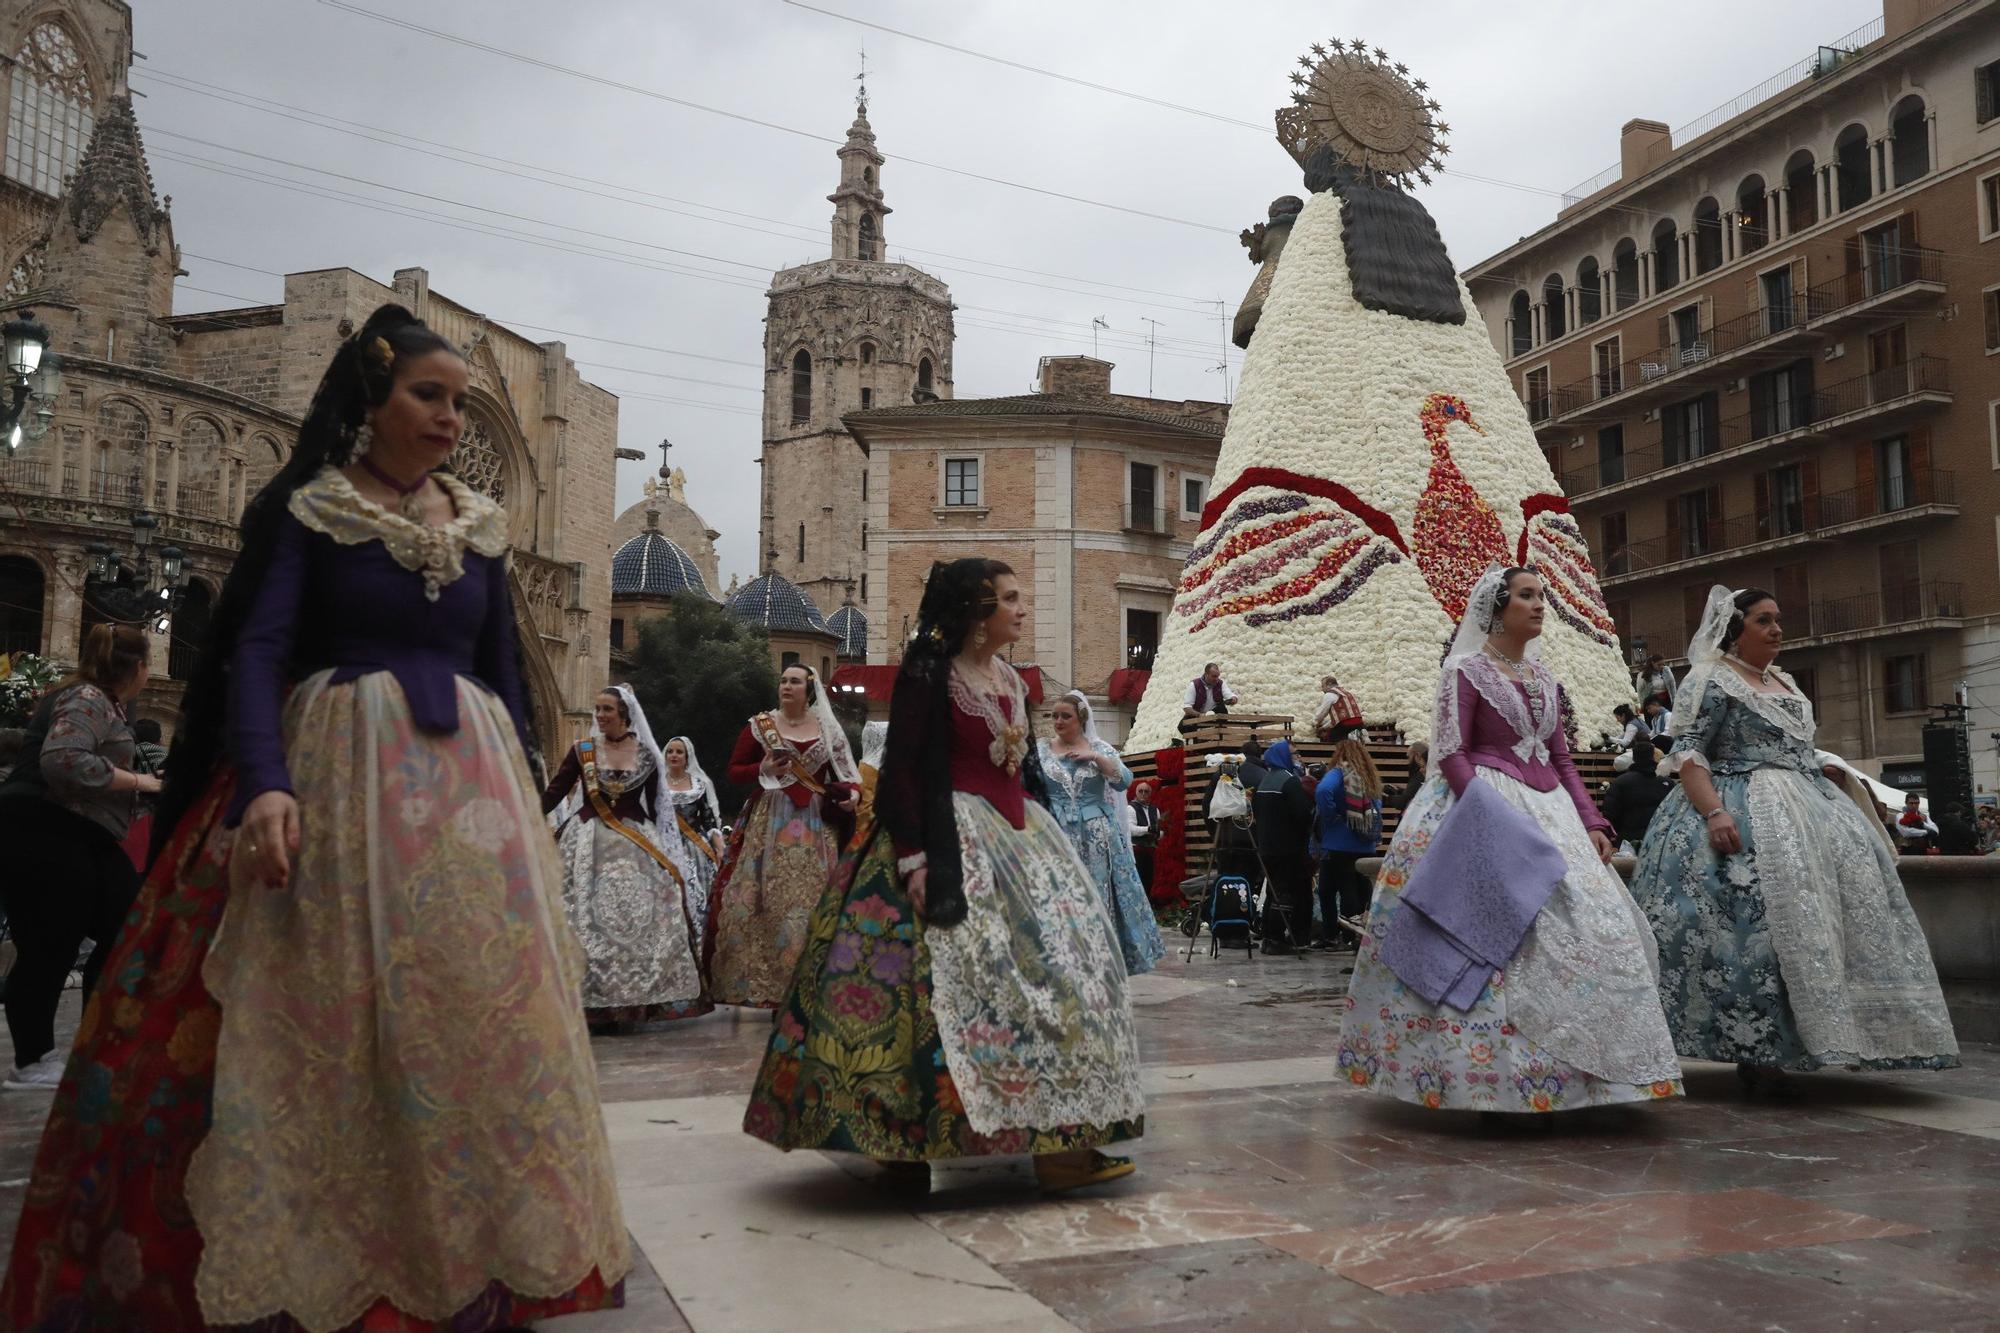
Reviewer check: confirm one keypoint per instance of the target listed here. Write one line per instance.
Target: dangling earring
(364, 436)
(979, 637)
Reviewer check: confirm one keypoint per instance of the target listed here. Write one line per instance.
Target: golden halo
(1367, 110)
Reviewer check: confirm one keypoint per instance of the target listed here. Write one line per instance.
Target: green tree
(700, 672)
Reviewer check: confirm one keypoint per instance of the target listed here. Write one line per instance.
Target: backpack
(1231, 902)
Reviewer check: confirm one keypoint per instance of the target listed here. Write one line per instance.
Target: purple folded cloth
(1472, 898)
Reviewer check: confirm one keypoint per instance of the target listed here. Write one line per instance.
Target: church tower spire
(858, 210)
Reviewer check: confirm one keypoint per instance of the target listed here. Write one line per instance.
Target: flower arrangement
(23, 678)
(1372, 466)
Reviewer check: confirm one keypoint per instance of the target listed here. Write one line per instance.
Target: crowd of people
(334, 1071)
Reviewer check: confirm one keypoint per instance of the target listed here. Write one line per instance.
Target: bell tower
(855, 332)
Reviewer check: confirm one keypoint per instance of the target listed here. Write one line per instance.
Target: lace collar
(1530, 710)
(1067, 771)
(1008, 725)
(1795, 720)
(329, 504)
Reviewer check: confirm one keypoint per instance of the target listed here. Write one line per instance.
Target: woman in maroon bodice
(336, 1075)
(962, 991)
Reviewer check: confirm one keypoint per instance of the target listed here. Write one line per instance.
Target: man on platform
(1207, 694)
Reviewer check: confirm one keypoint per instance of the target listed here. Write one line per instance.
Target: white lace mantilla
(330, 504)
(1530, 711)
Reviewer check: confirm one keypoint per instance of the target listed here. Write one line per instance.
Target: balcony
(1901, 609)
(1890, 281)
(1727, 349)
(1876, 399)
(1150, 519)
(1721, 539)
(1890, 502)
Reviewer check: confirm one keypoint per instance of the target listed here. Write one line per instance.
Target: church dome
(665, 506)
(850, 626)
(652, 565)
(774, 602)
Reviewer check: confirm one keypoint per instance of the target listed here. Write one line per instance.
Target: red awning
(879, 682)
(1128, 685)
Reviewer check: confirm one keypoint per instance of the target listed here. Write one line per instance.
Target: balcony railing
(1876, 389)
(202, 501)
(1888, 496)
(25, 474)
(1898, 604)
(1146, 518)
(1883, 270)
(1712, 344)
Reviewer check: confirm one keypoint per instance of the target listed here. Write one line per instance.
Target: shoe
(1355, 924)
(1056, 1178)
(904, 1177)
(42, 1076)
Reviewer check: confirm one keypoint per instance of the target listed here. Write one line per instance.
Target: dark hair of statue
(1743, 601)
(915, 781)
(357, 380)
(1396, 260)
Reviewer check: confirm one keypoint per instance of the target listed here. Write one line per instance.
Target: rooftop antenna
(1152, 335)
(1097, 322)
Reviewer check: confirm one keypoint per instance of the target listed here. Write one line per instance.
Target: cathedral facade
(160, 427)
(844, 334)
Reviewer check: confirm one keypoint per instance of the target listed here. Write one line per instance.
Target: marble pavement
(1270, 1197)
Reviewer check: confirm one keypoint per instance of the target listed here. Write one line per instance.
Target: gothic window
(802, 387)
(924, 376)
(479, 463)
(52, 110)
(867, 354)
(802, 543)
(26, 275)
(867, 245)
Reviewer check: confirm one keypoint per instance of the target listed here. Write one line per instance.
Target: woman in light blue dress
(1786, 940)
(1087, 782)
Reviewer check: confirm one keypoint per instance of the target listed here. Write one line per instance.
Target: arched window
(1707, 235)
(1552, 308)
(1753, 215)
(1911, 133)
(1625, 273)
(1521, 323)
(22, 587)
(802, 387)
(865, 247)
(52, 109)
(926, 390)
(478, 461)
(868, 175)
(1589, 292)
(200, 489)
(1666, 255)
(1801, 191)
(123, 431)
(867, 354)
(802, 543)
(26, 275)
(190, 630)
(1854, 180)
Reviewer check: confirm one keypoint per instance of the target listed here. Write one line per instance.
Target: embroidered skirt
(1008, 1033)
(776, 870)
(364, 1100)
(1572, 1020)
(633, 919)
(1112, 868)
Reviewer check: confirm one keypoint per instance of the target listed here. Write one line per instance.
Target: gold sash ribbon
(586, 752)
(773, 740)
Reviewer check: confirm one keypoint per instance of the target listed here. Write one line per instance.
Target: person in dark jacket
(1956, 836)
(1281, 820)
(1419, 756)
(1633, 796)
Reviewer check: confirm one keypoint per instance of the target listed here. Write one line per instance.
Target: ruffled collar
(330, 504)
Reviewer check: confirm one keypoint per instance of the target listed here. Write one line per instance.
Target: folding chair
(1238, 900)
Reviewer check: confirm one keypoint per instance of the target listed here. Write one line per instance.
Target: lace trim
(329, 504)
(1010, 733)
(1530, 711)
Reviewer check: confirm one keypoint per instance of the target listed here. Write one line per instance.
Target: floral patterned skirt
(1573, 1020)
(1801, 951)
(365, 1101)
(1108, 859)
(855, 1062)
(634, 920)
(776, 870)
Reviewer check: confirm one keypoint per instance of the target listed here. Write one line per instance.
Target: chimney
(1077, 376)
(1899, 16)
(1642, 145)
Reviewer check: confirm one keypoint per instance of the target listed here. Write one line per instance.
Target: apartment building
(1764, 350)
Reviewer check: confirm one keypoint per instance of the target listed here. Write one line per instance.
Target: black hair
(1622, 710)
(357, 380)
(1642, 752)
(146, 731)
(1396, 260)
(1499, 607)
(915, 781)
(623, 711)
(812, 682)
(1744, 600)
(1253, 748)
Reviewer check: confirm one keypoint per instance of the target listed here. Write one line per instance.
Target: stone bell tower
(841, 335)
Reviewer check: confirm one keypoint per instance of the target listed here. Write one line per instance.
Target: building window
(1535, 392)
(1553, 326)
(864, 588)
(1142, 495)
(867, 354)
(1910, 135)
(1780, 400)
(787, 661)
(1707, 235)
(52, 110)
(961, 482)
(1853, 178)
(1194, 495)
(1801, 192)
(924, 377)
(1989, 207)
(617, 633)
(866, 246)
(867, 399)
(1990, 300)
(1666, 255)
(1607, 359)
(802, 543)
(1893, 474)
(802, 387)
(1625, 274)
(1611, 455)
(1688, 430)
(1687, 334)
(1753, 216)
(1903, 684)
(1693, 516)
(1786, 492)
(1986, 92)
(864, 487)
(864, 535)
(1901, 568)
(1520, 324)
(1780, 303)
(1616, 560)
(1142, 638)
(1589, 293)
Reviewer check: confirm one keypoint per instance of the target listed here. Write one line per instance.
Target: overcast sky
(1534, 94)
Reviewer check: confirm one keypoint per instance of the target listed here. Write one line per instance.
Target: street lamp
(137, 602)
(22, 345)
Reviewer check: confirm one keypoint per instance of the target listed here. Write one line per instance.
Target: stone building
(162, 426)
(844, 334)
(1763, 355)
(1094, 498)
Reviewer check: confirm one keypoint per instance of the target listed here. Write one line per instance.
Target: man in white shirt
(1207, 693)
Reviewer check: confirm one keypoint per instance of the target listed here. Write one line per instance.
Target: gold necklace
(1763, 674)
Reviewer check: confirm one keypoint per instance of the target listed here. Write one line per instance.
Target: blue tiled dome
(852, 628)
(650, 565)
(774, 602)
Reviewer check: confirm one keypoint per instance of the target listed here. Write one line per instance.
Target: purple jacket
(333, 597)
(1489, 741)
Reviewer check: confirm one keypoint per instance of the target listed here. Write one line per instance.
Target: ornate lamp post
(23, 347)
(137, 602)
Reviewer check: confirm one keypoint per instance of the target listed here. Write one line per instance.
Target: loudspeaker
(1947, 767)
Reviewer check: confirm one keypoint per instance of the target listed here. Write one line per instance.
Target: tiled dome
(774, 602)
(651, 565)
(851, 626)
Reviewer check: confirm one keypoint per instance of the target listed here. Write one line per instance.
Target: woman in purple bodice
(1527, 982)
(337, 1075)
